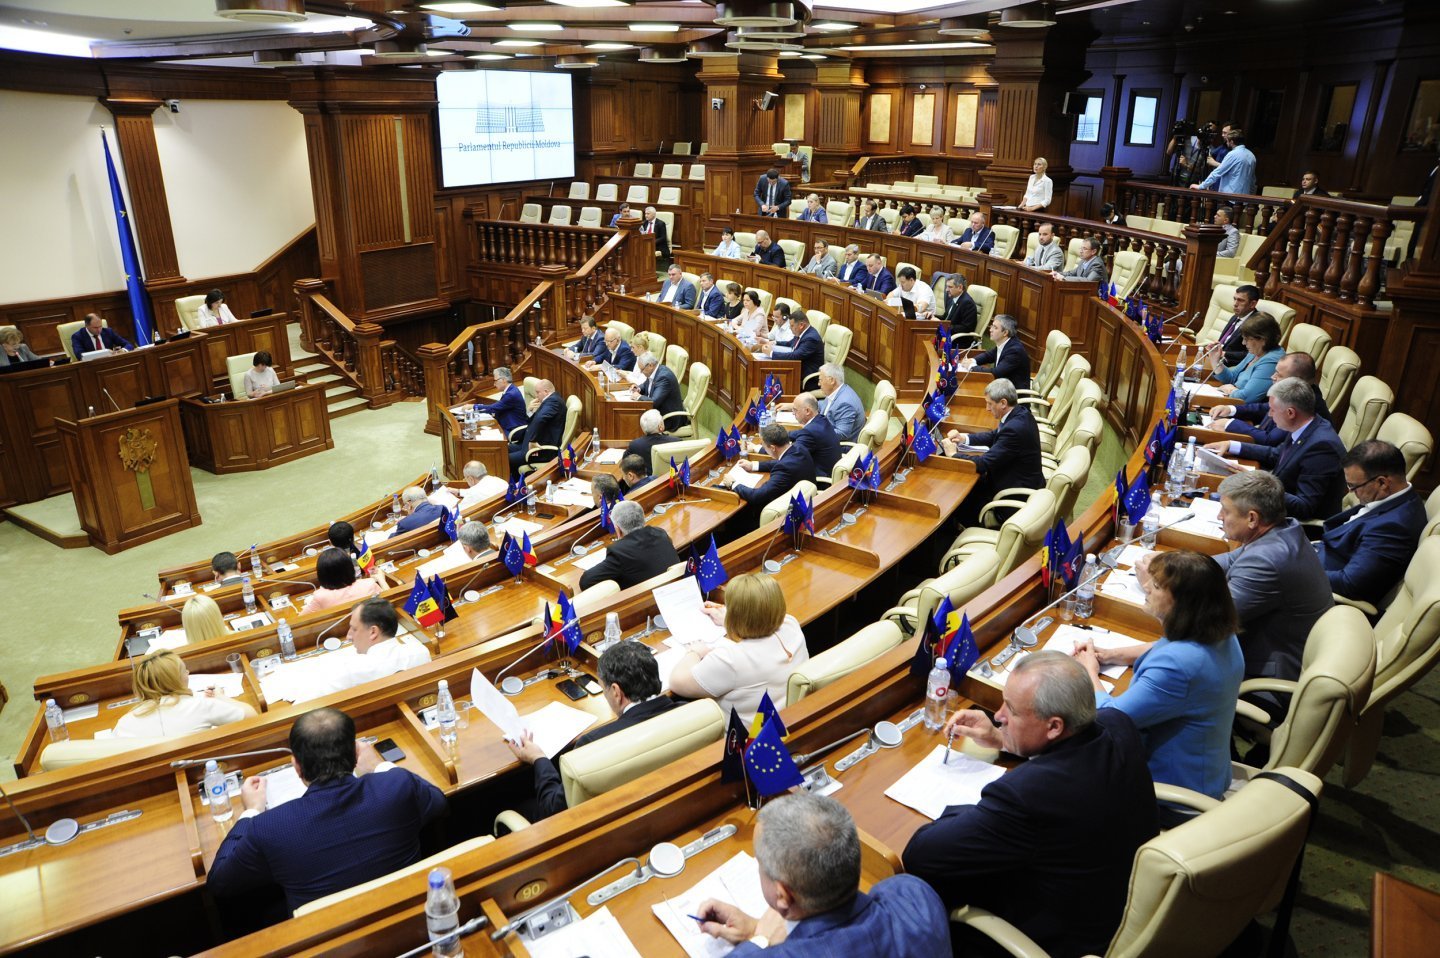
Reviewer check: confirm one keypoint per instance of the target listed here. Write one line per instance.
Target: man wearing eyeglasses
(1366, 548)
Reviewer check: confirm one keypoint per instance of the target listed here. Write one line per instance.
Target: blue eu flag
(1137, 498)
(511, 555)
(964, 653)
(419, 592)
(769, 763)
(711, 573)
(924, 443)
(129, 256)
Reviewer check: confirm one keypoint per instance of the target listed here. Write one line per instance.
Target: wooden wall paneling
(149, 209)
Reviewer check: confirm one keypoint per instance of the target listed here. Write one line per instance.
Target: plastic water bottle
(442, 915)
(1150, 524)
(1085, 596)
(395, 505)
(287, 641)
(530, 503)
(594, 443)
(445, 713)
(255, 565)
(218, 792)
(1175, 474)
(937, 690)
(55, 722)
(1190, 469)
(550, 490)
(248, 591)
(1180, 363)
(612, 628)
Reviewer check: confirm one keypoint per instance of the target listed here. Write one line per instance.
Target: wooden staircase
(341, 396)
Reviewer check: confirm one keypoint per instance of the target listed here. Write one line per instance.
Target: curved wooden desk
(258, 433)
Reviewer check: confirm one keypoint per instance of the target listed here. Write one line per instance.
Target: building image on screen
(504, 127)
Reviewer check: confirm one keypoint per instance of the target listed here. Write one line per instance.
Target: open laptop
(16, 367)
(908, 307)
(285, 386)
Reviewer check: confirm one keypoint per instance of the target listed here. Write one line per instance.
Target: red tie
(98, 344)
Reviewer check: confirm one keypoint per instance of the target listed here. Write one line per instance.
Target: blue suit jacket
(1310, 469)
(1251, 378)
(809, 348)
(852, 274)
(684, 293)
(1366, 557)
(782, 195)
(820, 216)
(901, 917)
(663, 391)
(427, 513)
(590, 345)
(785, 472)
(81, 342)
(1182, 696)
(1063, 826)
(881, 282)
(912, 228)
(340, 833)
(547, 425)
(509, 409)
(1014, 363)
(1265, 431)
(771, 255)
(711, 302)
(819, 441)
(845, 412)
(981, 242)
(1013, 459)
(623, 357)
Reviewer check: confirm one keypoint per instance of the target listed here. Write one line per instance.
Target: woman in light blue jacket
(1249, 379)
(1182, 693)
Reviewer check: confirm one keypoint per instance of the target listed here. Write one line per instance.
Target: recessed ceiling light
(832, 26)
(609, 46)
(519, 43)
(576, 62)
(488, 56)
(591, 3)
(534, 27)
(813, 56)
(790, 53)
(655, 27)
(459, 6)
(958, 45)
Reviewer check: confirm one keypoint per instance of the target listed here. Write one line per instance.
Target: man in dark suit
(772, 194)
(1253, 420)
(767, 251)
(591, 339)
(1244, 302)
(419, 511)
(655, 226)
(1049, 846)
(641, 552)
(1012, 460)
(977, 236)
(1366, 549)
(789, 464)
(807, 346)
(852, 267)
(816, 436)
(630, 683)
(546, 428)
(509, 409)
(1008, 360)
(677, 291)
(614, 351)
(961, 312)
(1308, 463)
(870, 218)
(96, 335)
(710, 301)
(1309, 186)
(661, 388)
(346, 829)
(876, 276)
(634, 472)
(910, 224)
(652, 429)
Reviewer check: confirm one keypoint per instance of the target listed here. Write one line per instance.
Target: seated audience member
(677, 290)
(1309, 185)
(630, 683)
(1366, 548)
(1047, 254)
(870, 218)
(168, 707)
(729, 248)
(1039, 188)
(1230, 244)
(779, 331)
(260, 379)
(816, 436)
(652, 429)
(1245, 301)
(474, 539)
(661, 388)
(634, 472)
(473, 473)
(1183, 691)
(710, 301)
(909, 287)
(1253, 420)
(225, 567)
(509, 410)
(202, 620)
(961, 312)
(338, 586)
(849, 271)
(376, 650)
(95, 335)
(808, 852)
(939, 229)
(977, 236)
(640, 552)
(546, 428)
(841, 405)
(14, 350)
(622, 211)
(910, 224)
(214, 312)
(605, 487)
(1276, 579)
(763, 645)
(1110, 216)
(734, 301)
(591, 339)
(1249, 380)
(341, 535)
(813, 211)
(1308, 463)
(1012, 459)
(822, 264)
(767, 251)
(1063, 825)
(751, 321)
(419, 511)
(615, 351)
(1008, 360)
(652, 225)
(346, 828)
(1091, 268)
(791, 465)
(877, 276)
(807, 346)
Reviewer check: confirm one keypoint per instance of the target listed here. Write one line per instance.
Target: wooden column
(739, 134)
(149, 209)
(555, 311)
(435, 357)
(1113, 176)
(1201, 241)
(368, 367)
(841, 86)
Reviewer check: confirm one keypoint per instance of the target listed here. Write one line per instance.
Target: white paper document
(736, 882)
(169, 639)
(229, 684)
(373, 537)
(1066, 636)
(1206, 521)
(488, 487)
(1123, 584)
(282, 785)
(683, 609)
(786, 418)
(452, 558)
(1132, 554)
(739, 477)
(518, 529)
(244, 623)
(591, 561)
(301, 680)
(1202, 389)
(1207, 461)
(934, 784)
(599, 935)
(490, 433)
(610, 457)
(444, 497)
(556, 726)
(495, 707)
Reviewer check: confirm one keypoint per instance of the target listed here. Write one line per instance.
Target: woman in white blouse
(214, 311)
(751, 321)
(1038, 188)
(260, 379)
(167, 705)
(728, 247)
(763, 645)
(939, 229)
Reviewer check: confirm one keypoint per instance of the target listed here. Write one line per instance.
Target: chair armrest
(1268, 685)
(903, 616)
(511, 435)
(814, 376)
(1176, 795)
(679, 412)
(1252, 713)
(539, 449)
(1046, 459)
(1028, 392)
(511, 820)
(1035, 401)
(1007, 936)
(994, 504)
(1363, 606)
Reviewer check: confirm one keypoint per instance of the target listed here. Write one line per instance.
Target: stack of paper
(169, 639)
(282, 784)
(786, 418)
(490, 433)
(373, 537)
(934, 784)
(301, 680)
(683, 609)
(592, 560)
(182, 589)
(739, 477)
(488, 487)
(736, 882)
(244, 623)
(517, 527)
(610, 456)
(445, 498)
(228, 684)
(1206, 521)
(1123, 584)
(553, 727)
(598, 936)
(452, 558)
(1067, 636)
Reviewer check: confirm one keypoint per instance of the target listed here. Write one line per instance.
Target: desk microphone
(111, 398)
(304, 550)
(192, 762)
(1177, 341)
(579, 548)
(326, 631)
(1026, 637)
(60, 831)
(160, 601)
(525, 916)
(513, 685)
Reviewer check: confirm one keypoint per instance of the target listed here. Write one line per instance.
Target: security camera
(174, 105)
(716, 102)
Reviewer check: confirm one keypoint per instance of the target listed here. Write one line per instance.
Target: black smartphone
(589, 684)
(389, 751)
(572, 690)
(545, 515)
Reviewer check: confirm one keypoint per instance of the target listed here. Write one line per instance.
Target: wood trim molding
(149, 207)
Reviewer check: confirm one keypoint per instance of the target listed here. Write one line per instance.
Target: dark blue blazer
(809, 348)
(818, 438)
(1014, 363)
(81, 342)
(961, 313)
(663, 391)
(509, 409)
(1365, 558)
(912, 228)
(623, 357)
(590, 345)
(550, 789)
(881, 282)
(785, 472)
(852, 274)
(427, 513)
(983, 241)
(1013, 459)
(1063, 826)
(1310, 469)
(1265, 431)
(547, 425)
(340, 833)
(771, 255)
(901, 917)
(782, 195)
(710, 302)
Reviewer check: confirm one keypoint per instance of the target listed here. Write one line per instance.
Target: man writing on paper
(375, 651)
(631, 687)
(789, 464)
(1050, 844)
(641, 552)
(346, 829)
(95, 335)
(1012, 457)
(809, 856)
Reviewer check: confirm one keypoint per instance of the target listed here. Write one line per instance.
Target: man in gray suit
(1278, 582)
(840, 404)
(1047, 254)
(1091, 268)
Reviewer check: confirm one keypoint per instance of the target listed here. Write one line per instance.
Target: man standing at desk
(546, 427)
(807, 346)
(772, 194)
(95, 335)
(509, 409)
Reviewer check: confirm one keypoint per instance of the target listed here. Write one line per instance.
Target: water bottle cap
(444, 683)
(940, 663)
(438, 877)
(49, 702)
(210, 765)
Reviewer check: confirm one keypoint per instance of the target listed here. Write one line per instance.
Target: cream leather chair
(780, 149)
(766, 297)
(626, 331)
(560, 215)
(691, 449)
(1087, 395)
(416, 870)
(684, 424)
(607, 193)
(1006, 239)
(1015, 541)
(187, 308)
(1051, 408)
(78, 751)
(1080, 432)
(668, 218)
(925, 179)
(637, 194)
(835, 663)
(794, 249)
(697, 171)
(677, 358)
(530, 213)
(985, 301)
(1072, 253)
(589, 217)
(1279, 312)
(1411, 437)
(1057, 350)
(67, 330)
(572, 418)
(884, 397)
(787, 301)
(1127, 272)
(1137, 222)
(1194, 888)
(671, 171)
(704, 148)
(837, 348)
(644, 169)
(649, 341)
(235, 368)
(746, 241)
(1432, 514)
(1305, 338)
(1370, 403)
(972, 576)
(681, 149)
(890, 215)
(775, 509)
(819, 320)
(839, 213)
(1407, 640)
(669, 195)
(579, 191)
(1065, 479)
(1337, 376)
(874, 433)
(1217, 314)
(1232, 270)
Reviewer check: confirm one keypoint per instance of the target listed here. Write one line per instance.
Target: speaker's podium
(129, 475)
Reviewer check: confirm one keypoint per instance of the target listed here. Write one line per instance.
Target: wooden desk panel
(1404, 919)
(256, 434)
(247, 337)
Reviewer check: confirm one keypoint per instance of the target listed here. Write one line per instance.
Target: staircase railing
(380, 371)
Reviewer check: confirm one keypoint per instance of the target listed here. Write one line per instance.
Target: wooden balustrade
(356, 350)
(1252, 214)
(1331, 246)
(530, 244)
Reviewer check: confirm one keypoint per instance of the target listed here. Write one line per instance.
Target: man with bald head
(546, 427)
(1254, 420)
(816, 435)
(616, 352)
(767, 251)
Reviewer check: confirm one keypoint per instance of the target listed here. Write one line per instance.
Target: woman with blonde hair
(1039, 189)
(167, 705)
(201, 619)
(762, 646)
